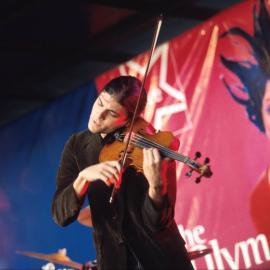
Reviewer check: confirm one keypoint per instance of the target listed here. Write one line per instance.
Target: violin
(140, 138)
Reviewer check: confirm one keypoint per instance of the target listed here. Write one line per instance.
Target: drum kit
(61, 258)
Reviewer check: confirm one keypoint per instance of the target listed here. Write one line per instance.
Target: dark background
(48, 47)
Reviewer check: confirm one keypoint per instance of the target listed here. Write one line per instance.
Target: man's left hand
(152, 166)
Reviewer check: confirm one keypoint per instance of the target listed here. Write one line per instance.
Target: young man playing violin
(137, 229)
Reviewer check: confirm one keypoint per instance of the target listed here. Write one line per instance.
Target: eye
(113, 114)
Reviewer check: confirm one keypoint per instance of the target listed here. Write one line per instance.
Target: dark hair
(126, 90)
(253, 76)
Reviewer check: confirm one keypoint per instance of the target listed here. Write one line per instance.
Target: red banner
(220, 107)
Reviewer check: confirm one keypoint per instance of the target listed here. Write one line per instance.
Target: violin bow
(153, 46)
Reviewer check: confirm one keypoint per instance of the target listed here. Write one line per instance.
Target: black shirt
(129, 232)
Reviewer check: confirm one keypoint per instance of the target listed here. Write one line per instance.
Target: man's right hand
(108, 172)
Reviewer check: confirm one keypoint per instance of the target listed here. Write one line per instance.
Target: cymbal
(199, 253)
(53, 257)
(84, 217)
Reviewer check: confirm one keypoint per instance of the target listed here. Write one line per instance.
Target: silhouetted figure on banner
(255, 78)
(137, 230)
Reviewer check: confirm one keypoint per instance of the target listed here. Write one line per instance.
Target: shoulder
(81, 139)
(83, 135)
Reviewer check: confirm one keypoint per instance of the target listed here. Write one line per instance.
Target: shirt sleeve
(158, 218)
(66, 205)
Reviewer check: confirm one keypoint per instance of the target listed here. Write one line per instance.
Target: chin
(92, 128)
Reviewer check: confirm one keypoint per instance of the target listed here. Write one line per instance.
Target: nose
(101, 115)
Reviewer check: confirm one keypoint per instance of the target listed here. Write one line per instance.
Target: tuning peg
(197, 155)
(207, 160)
(198, 179)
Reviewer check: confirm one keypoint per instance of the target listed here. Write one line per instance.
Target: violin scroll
(204, 169)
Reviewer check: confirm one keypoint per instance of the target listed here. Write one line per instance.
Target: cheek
(266, 119)
(119, 122)
(267, 128)
(94, 111)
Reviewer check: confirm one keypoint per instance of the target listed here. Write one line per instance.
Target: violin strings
(138, 139)
(163, 149)
(144, 142)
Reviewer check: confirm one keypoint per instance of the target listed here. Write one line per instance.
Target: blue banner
(30, 152)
